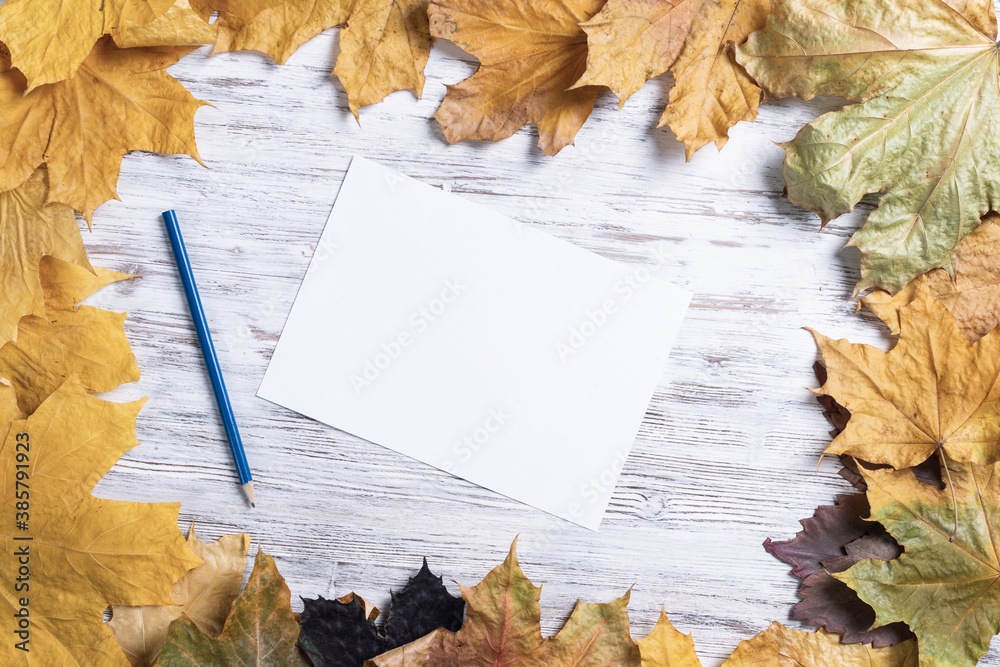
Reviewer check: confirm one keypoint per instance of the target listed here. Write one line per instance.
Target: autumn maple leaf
(260, 630)
(50, 39)
(666, 646)
(934, 393)
(30, 230)
(972, 294)
(77, 554)
(120, 100)
(343, 631)
(835, 538)
(632, 41)
(384, 45)
(85, 342)
(530, 52)
(779, 646)
(504, 628)
(944, 585)
(205, 595)
(926, 79)
(180, 25)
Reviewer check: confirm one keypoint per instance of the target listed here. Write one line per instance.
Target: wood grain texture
(727, 454)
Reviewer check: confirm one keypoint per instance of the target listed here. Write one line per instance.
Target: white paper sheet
(464, 339)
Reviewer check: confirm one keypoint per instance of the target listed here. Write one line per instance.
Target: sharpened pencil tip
(248, 492)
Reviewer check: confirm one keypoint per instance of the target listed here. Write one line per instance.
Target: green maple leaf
(925, 74)
(945, 590)
(261, 629)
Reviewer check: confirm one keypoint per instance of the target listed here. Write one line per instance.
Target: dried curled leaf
(83, 553)
(50, 39)
(205, 595)
(30, 230)
(261, 630)
(972, 294)
(631, 41)
(504, 628)
(120, 100)
(945, 590)
(530, 52)
(925, 76)
(779, 646)
(933, 392)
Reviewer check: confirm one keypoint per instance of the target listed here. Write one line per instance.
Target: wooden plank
(727, 453)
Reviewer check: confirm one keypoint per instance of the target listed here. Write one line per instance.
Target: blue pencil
(208, 351)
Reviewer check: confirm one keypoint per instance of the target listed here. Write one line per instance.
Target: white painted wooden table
(726, 455)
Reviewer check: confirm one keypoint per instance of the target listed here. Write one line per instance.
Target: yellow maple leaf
(530, 52)
(9, 412)
(665, 646)
(68, 555)
(384, 45)
(30, 230)
(972, 294)
(205, 595)
(88, 343)
(244, 9)
(383, 48)
(181, 25)
(65, 284)
(779, 646)
(631, 41)
(278, 30)
(50, 39)
(120, 100)
(933, 393)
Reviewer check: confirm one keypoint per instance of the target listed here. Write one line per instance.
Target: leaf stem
(954, 502)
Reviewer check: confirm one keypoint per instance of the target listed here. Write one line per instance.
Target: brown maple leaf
(530, 52)
(205, 595)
